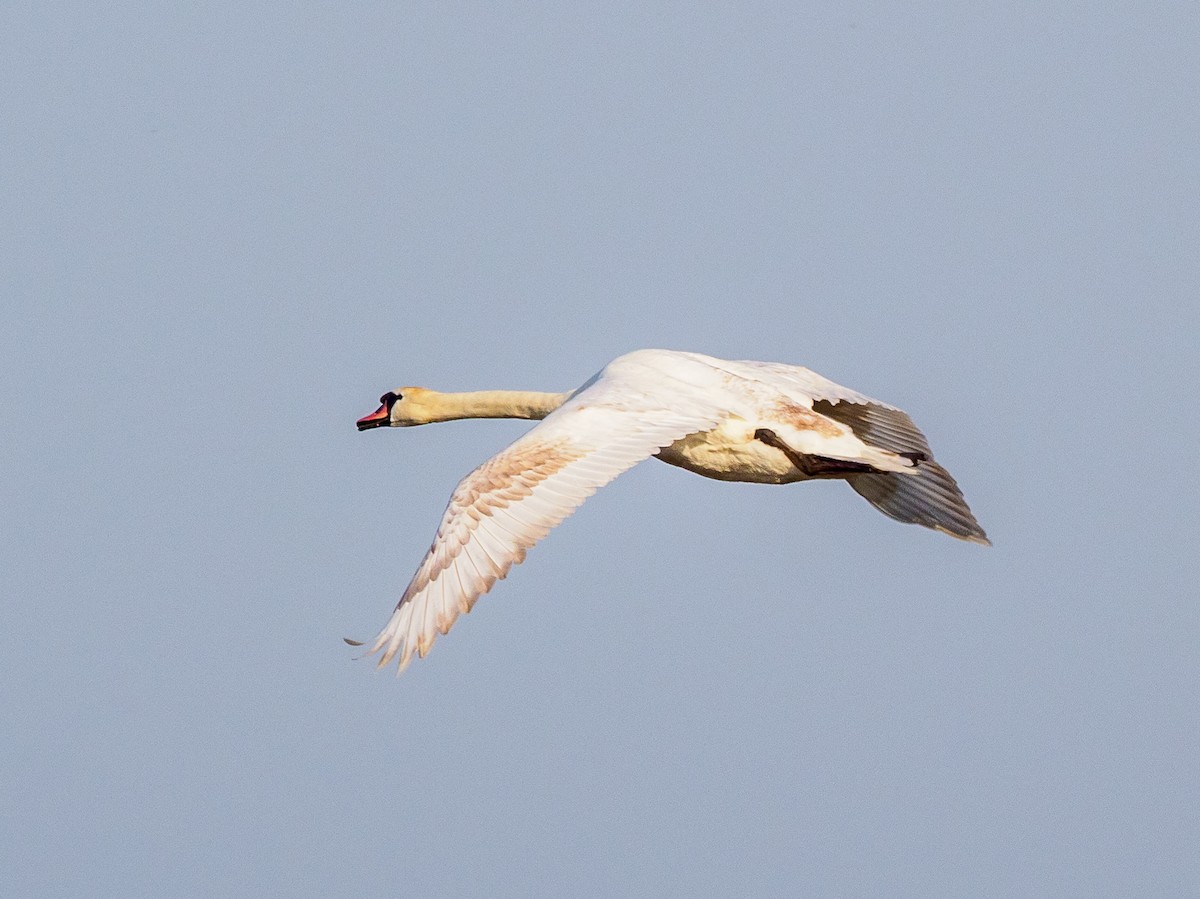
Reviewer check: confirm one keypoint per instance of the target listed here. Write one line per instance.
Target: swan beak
(377, 419)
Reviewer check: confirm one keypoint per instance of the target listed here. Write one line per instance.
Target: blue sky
(230, 229)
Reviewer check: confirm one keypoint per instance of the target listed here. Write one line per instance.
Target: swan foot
(822, 466)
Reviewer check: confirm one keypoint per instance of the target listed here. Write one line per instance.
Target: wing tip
(975, 536)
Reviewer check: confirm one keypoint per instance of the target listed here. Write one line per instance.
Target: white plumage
(737, 421)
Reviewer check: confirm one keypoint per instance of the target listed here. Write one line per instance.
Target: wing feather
(929, 496)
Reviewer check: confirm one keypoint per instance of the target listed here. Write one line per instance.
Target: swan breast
(730, 452)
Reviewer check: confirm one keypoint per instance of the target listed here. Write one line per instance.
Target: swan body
(760, 422)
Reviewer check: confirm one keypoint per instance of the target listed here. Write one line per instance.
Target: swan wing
(927, 495)
(512, 500)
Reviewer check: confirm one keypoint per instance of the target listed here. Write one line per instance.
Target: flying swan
(762, 422)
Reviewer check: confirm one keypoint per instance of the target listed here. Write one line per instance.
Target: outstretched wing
(928, 496)
(510, 502)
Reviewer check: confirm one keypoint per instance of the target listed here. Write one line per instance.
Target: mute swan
(761, 422)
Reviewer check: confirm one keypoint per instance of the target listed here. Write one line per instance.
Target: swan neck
(527, 404)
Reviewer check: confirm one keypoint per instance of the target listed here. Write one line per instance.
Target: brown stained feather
(804, 419)
(500, 481)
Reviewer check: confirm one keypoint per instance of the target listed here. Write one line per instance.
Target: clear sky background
(228, 228)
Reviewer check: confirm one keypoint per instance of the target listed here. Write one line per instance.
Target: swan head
(402, 408)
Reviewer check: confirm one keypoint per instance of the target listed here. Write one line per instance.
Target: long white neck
(488, 404)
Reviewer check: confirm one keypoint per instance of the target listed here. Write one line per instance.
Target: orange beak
(378, 418)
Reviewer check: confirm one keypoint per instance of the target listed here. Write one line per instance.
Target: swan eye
(388, 399)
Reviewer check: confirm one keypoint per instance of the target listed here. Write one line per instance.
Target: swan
(762, 422)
